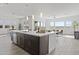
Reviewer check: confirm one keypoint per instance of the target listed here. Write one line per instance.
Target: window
(1, 26)
(68, 23)
(60, 23)
(51, 23)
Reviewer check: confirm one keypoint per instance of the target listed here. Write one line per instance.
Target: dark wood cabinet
(20, 40)
(33, 44)
(27, 42)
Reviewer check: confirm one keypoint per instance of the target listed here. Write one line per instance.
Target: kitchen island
(34, 43)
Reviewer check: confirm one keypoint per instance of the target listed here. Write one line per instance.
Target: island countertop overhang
(33, 33)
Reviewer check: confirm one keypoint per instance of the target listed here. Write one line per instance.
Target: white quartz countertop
(33, 33)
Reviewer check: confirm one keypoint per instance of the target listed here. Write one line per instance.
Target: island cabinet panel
(20, 40)
(44, 45)
(31, 44)
(76, 34)
(35, 45)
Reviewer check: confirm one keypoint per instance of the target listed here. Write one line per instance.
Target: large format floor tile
(7, 48)
(65, 45)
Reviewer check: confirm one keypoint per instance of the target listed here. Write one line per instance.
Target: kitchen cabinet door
(22, 40)
(27, 42)
(31, 44)
(34, 44)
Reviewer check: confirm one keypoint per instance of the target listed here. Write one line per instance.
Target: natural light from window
(68, 23)
(59, 23)
(51, 23)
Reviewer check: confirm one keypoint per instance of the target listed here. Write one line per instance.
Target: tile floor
(66, 45)
(7, 48)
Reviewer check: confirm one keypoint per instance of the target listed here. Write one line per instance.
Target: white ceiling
(48, 9)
